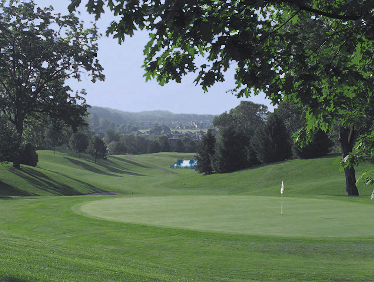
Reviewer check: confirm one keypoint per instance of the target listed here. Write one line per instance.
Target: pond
(184, 164)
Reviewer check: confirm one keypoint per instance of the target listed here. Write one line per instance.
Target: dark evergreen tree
(153, 147)
(97, 148)
(78, 142)
(190, 145)
(271, 142)
(230, 150)
(205, 153)
(29, 156)
(251, 156)
(179, 146)
(163, 140)
(141, 144)
(319, 147)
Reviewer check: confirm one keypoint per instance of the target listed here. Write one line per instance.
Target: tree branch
(325, 14)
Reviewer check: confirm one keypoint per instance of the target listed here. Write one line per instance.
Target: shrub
(29, 155)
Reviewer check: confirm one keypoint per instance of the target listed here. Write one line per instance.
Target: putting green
(255, 215)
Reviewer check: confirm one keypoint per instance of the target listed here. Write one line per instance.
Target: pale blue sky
(125, 87)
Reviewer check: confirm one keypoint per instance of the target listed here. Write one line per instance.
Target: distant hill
(146, 119)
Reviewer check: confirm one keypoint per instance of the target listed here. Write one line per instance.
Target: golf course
(128, 218)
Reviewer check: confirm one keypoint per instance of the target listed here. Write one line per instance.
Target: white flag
(282, 188)
(372, 195)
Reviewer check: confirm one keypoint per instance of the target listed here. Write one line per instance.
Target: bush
(117, 148)
(320, 147)
(29, 155)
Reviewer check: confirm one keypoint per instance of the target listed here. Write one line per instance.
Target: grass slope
(44, 239)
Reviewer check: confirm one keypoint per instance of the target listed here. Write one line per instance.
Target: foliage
(178, 147)
(319, 147)
(165, 146)
(190, 145)
(271, 142)
(111, 136)
(153, 147)
(117, 148)
(96, 148)
(29, 156)
(78, 142)
(35, 60)
(205, 153)
(230, 150)
(246, 117)
(141, 120)
(8, 140)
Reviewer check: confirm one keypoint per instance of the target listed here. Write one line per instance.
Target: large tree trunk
(19, 127)
(346, 139)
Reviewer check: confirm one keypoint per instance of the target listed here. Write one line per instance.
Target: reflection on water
(184, 164)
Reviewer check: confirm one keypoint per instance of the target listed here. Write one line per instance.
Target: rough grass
(44, 239)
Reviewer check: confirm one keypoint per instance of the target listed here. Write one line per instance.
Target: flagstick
(282, 204)
(282, 189)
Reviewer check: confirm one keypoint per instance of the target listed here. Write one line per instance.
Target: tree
(205, 153)
(153, 147)
(8, 140)
(319, 147)
(111, 135)
(78, 142)
(29, 155)
(163, 140)
(246, 117)
(117, 148)
(317, 53)
(156, 128)
(35, 60)
(96, 148)
(190, 145)
(178, 146)
(270, 142)
(230, 150)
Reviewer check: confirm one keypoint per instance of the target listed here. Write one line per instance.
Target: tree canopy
(35, 60)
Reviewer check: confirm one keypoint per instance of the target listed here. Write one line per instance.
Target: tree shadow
(11, 279)
(129, 162)
(45, 183)
(115, 168)
(7, 190)
(108, 164)
(89, 167)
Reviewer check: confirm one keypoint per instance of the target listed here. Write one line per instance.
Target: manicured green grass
(47, 238)
(255, 215)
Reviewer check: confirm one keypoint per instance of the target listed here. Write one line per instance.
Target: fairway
(252, 215)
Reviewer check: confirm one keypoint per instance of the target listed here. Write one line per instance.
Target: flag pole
(282, 189)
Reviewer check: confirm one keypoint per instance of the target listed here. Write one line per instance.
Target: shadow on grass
(129, 162)
(11, 279)
(45, 183)
(89, 167)
(108, 164)
(113, 167)
(7, 190)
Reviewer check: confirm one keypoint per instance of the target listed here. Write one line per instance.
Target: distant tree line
(119, 144)
(249, 135)
(101, 119)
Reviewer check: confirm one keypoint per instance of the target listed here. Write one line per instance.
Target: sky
(125, 87)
